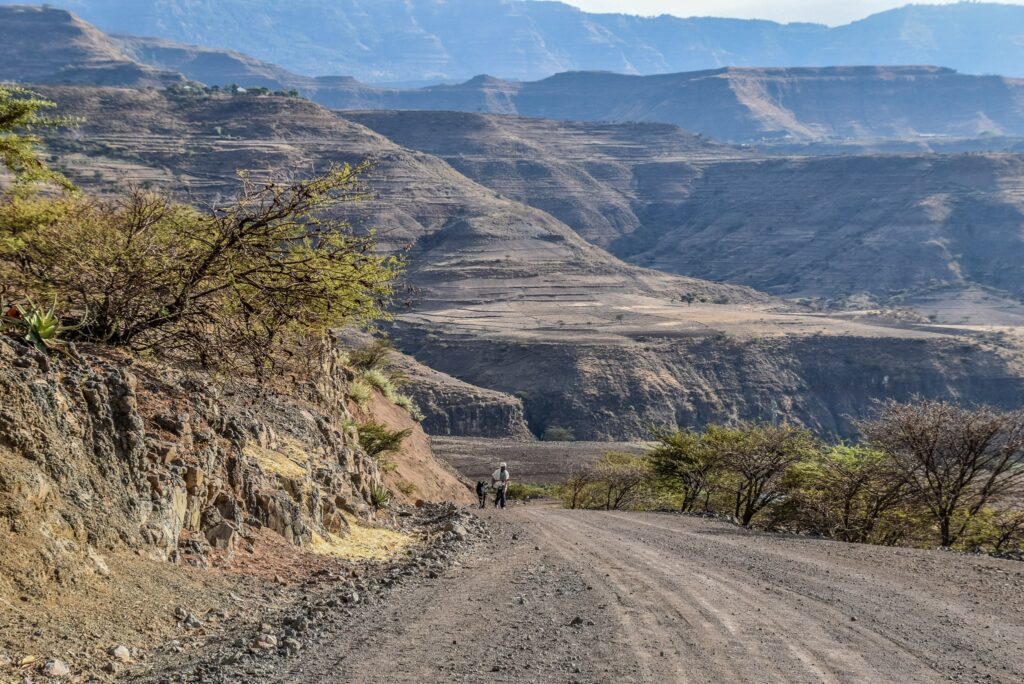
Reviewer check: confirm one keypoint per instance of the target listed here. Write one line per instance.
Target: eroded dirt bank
(566, 596)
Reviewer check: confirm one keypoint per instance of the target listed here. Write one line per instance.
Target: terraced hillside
(939, 232)
(507, 297)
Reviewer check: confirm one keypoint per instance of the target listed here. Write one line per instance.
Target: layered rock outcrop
(452, 407)
(108, 453)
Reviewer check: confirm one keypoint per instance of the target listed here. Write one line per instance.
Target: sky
(832, 12)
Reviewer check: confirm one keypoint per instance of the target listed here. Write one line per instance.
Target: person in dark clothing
(481, 493)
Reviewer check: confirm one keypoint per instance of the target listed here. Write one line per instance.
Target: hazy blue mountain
(743, 104)
(432, 40)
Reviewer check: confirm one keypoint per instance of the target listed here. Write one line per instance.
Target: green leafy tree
(557, 433)
(22, 112)
(686, 463)
(249, 284)
(855, 494)
(620, 478)
(757, 460)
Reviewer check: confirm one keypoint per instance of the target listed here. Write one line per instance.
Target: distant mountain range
(735, 104)
(449, 40)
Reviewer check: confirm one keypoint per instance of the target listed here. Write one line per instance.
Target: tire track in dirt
(663, 598)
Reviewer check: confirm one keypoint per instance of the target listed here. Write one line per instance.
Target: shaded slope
(835, 227)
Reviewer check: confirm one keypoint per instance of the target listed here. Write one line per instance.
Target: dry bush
(248, 285)
(956, 460)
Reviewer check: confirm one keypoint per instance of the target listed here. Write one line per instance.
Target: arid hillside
(43, 45)
(940, 232)
(509, 298)
(407, 41)
(595, 177)
(788, 106)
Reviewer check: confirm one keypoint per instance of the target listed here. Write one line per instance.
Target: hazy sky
(819, 11)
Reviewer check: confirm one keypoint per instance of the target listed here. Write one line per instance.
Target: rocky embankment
(113, 468)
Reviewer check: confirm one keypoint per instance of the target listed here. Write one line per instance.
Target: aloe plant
(380, 497)
(42, 327)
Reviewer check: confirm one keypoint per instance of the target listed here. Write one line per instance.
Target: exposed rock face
(105, 454)
(453, 407)
(615, 390)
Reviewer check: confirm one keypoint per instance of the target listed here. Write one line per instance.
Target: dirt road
(660, 598)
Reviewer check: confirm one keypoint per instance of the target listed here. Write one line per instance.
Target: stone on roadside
(120, 653)
(56, 669)
(266, 641)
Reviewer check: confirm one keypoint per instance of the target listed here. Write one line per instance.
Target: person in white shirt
(499, 480)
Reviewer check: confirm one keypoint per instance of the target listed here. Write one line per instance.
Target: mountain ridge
(742, 104)
(439, 40)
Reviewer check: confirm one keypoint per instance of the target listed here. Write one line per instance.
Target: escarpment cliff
(613, 387)
(452, 407)
(105, 455)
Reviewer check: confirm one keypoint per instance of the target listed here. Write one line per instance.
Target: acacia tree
(575, 486)
(848, 490)
(22, 113)
(757, 459)
(245, 284)
(620, 477)
(956, 460)
(685, 460)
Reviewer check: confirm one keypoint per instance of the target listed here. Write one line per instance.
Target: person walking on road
(499, 480)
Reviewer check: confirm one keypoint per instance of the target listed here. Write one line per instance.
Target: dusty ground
(169, 616)
(568, 596)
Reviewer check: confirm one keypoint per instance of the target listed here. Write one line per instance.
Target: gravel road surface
(581, 596)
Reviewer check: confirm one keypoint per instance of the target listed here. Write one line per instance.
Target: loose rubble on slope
(306, 615)
(143, 505)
